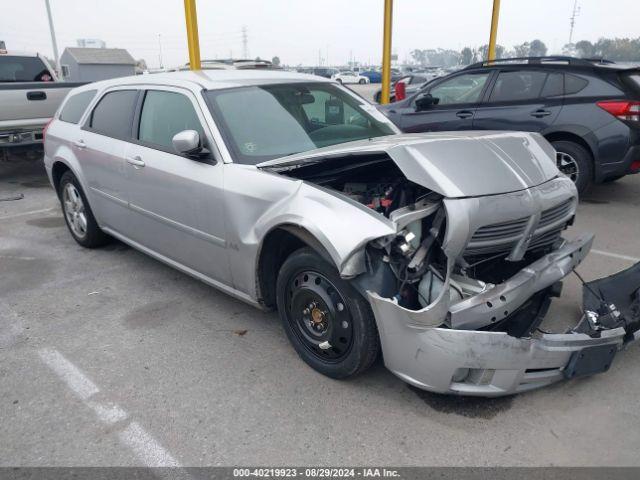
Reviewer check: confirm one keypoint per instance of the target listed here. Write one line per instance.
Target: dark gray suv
(588, 110)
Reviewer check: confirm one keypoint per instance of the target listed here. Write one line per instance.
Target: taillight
(44, 130)
(401, 91)
(622, 109)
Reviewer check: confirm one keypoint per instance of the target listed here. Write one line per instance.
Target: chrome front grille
(502, 237)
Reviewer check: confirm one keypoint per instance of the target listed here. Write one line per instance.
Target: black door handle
(36, 96)
(464, 114)
(540, 113)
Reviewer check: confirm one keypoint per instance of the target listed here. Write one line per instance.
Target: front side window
(76, 105)
(113, 115)
(261, 123)
(163, 115)
(518, 85)
(465, 88)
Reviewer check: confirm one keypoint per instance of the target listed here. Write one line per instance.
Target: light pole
(386, 52)
(53, 38)
(494, 30)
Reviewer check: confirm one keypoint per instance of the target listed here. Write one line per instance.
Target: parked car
(30, 93)
(324, 72)
(375, 76)
(347, 76)
(413, 83)
(441, 250)
(589, 111)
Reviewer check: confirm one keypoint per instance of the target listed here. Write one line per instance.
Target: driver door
(457, 98)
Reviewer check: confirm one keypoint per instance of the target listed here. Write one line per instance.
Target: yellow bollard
(386, 52)
(494, 30)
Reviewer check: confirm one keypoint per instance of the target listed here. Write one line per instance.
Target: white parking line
(145, 447)
(24, 214)
(134, 436)
(616, 255)
(69, 373)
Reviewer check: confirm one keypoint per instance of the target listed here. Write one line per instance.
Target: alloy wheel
(568, 165)
(74, 210)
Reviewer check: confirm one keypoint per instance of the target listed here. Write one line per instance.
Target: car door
(455, 100)
(526, 99)
(176, 201)
(100, 147)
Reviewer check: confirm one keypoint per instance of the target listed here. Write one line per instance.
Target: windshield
(261, 123)
(23, 69)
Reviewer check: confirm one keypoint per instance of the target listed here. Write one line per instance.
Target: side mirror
(187, 142)
(424, 101)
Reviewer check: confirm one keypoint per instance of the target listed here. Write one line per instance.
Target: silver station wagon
(440, 251)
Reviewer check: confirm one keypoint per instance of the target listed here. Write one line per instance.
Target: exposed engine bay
(415, 257)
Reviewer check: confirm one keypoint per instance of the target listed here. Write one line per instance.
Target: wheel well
(276, 247)
(56, 172)
(569, 137)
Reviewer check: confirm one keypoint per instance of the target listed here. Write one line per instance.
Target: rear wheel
(362, 81)
(575, 162)
(330, 325)
(78, 215)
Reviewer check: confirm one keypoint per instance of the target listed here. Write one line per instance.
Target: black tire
(362, 81)
(339, 80)
(347, 319)
(93, 237)
(583, 161)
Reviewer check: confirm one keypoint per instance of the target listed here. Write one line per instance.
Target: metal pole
(53, 39)
(191, 17)
(494, 30)
(386, 52)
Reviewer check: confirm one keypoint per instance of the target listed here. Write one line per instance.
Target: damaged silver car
(442, 251)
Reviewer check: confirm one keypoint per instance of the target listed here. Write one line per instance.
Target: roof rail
(539, 60)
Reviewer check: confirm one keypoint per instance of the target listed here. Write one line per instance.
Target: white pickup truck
(30, 94)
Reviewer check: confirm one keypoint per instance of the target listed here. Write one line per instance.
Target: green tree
(484, 51)
(537, 48)
(275, 61)
(585, 49)
(466, 56)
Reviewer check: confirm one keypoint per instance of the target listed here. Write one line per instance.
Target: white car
(347, 76)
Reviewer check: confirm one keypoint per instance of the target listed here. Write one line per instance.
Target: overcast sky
(297, 30)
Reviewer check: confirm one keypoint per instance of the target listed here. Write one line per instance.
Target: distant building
(91, 43)
(93, 64)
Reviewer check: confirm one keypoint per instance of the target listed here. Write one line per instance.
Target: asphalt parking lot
(108, 357)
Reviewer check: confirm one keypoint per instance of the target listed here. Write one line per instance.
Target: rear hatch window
(632, 80)
(23, 69)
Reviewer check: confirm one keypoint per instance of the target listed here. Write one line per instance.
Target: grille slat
(502, 237)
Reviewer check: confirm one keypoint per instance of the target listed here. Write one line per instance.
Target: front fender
(342, 226)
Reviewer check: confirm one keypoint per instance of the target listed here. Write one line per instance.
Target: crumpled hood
(454, 164)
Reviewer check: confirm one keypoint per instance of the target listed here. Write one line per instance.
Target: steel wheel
(74, 210)
(568, 165)
(318, 316)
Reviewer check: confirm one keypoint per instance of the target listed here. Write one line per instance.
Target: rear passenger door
(525, 100)
(100, 147)
(175, 201)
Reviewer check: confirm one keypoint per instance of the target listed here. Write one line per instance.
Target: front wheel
(362, 81)
(575, 162)
(330, 325)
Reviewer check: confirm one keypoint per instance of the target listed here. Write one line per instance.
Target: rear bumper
(630, 164)
(21, 137)
(485, 363)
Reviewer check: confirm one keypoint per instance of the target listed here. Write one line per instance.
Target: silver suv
(288, 191)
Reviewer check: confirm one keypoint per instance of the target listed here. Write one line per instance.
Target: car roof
(210, 79)
(13, 53)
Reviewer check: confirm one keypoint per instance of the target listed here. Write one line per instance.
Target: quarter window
(113, 115)
(163, 115)
(554, 86)
(516, 86)
(76, 105)
(573, 84)
(465, 88)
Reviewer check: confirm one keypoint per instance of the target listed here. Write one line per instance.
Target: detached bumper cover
(484, 363)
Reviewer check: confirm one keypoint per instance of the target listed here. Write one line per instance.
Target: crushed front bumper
(489, 363)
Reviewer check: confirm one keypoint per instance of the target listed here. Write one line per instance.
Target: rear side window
(515, 86)
(554, 86)
(76, 105)
(113, 115)
(163, 115)
(23, 69)
(573, 84)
